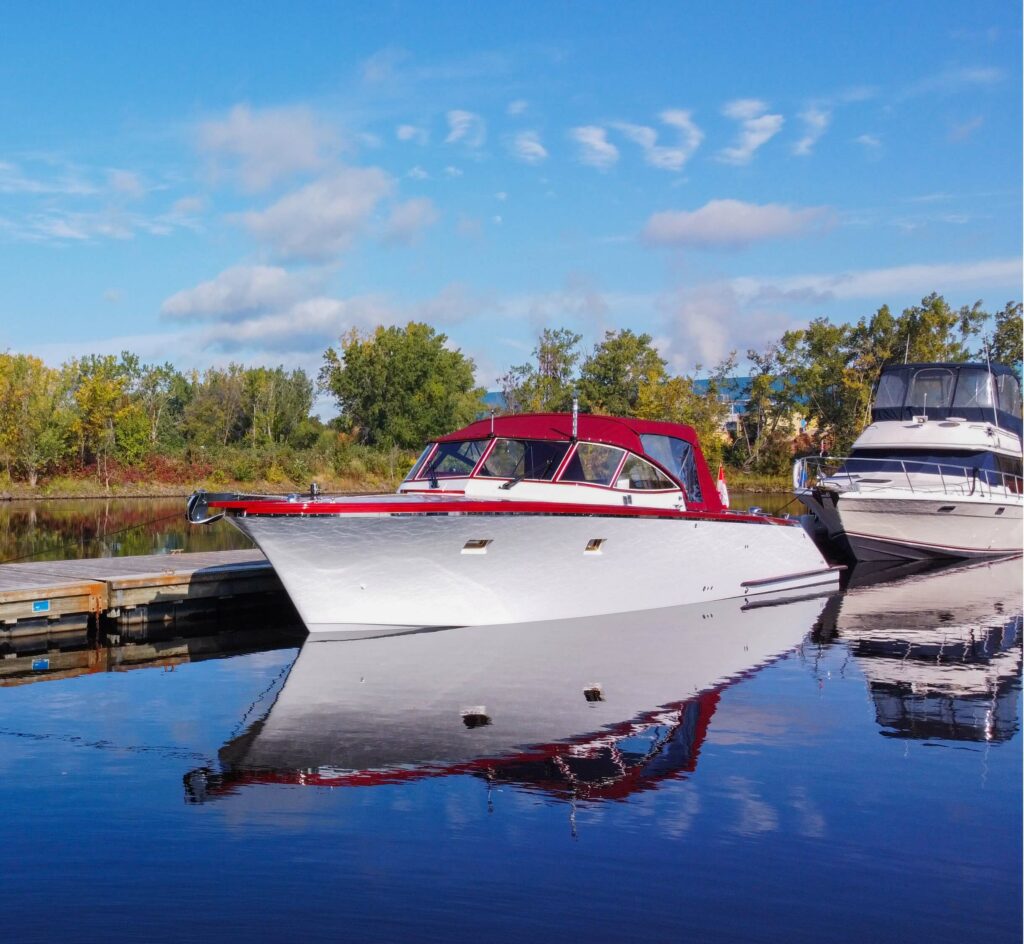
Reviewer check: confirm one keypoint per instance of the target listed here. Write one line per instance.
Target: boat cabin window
(525, 459)
(974, 388)
(454, 459)
(948, 462)
(932, 388)
(1009, 394)
(892, 389)
(593, 464)
(677, 456)
(640, 474)
(419, 463)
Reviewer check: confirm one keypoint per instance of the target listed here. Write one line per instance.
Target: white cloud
(756, 129)
(951, 81)
(382, 66)
(266, 145)
(870, 142)
(661, 156)
(517, 107)
(70, 182)
(878, 284)
(126, 182)
(188, 206)
(816, 121)
(732, 224)
(322, 219)
(451, 171)
(418, 173)
(240, 292)
(467, 128)
(526, 147)
(595, 148)
(412, 133)
(409, 219)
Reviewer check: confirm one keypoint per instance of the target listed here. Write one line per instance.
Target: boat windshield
(454, 459)
(931, 388)
(524, 459)
(414, 471)
(1009, 394)
(678, 457)
(637, 473)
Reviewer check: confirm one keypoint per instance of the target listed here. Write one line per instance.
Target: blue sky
(215, 182)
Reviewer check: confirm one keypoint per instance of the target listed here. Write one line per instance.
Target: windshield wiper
(519, 478)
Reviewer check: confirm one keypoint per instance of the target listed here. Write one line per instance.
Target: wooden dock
(69, 596)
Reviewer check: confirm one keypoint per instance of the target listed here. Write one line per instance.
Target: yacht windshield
(931, 388)
(524, 459)
(454, 459)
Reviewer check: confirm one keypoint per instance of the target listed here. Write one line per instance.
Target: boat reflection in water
(596, 708)
(941, 651)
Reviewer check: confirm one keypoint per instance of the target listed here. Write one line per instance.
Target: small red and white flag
(723, 489)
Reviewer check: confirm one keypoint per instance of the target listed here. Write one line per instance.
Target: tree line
(395, 387)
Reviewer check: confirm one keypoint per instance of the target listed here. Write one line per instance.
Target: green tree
(34, 416)
(400, 386)
(548, 384)
(612, 376)
(1006, 346)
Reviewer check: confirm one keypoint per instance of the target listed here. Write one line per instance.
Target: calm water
(840, 769)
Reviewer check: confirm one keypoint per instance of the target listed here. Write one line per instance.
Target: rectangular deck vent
(476, 546)
(945, 509)
(594, 546)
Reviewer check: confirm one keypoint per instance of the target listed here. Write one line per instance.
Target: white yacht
(937, 474)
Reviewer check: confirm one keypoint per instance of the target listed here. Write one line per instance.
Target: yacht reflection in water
(597, 708)
(941, 651)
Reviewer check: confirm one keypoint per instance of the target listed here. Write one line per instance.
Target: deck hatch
(476, 546)
(594, 546)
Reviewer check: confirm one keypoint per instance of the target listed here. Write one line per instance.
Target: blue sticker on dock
(40, 606)
(40, 665)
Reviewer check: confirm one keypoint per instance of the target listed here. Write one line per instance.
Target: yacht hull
(899, 525)
(359, 575)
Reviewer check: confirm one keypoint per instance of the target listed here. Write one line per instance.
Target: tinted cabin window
(677, 456)
(524, 459)
(637, 473)
(454, 459)
(931, 388)
(973, 389)
(593, 464)
(419, 463)
(1009, 394)
(892, 388)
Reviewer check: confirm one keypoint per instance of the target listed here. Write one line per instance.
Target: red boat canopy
(611, 430)
(617, 431)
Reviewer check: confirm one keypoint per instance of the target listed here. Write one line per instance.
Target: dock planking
(50, 596)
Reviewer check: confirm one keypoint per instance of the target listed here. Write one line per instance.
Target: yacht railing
(869, 474)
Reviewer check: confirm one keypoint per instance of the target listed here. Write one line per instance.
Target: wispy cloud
(816, 120)
(965, 129)
(518, 107)
(69, 182)
(595, 149)
(890, 283)
(733, 224)
(952, 81)
(466, 128)
(757, 127)
(263, 146)
(672, 157)
(526, 147)
(413, 133)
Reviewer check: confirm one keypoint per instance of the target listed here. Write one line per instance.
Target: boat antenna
(492, 422)
(906, 352)
(575, 415)
(992, 385)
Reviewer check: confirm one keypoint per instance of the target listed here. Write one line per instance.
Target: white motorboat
(594, 708)
(937, 473)
(524, 518)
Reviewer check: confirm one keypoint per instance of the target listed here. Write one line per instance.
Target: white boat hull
(374, 574)
(902, 525)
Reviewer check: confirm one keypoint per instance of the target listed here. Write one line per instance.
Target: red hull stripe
(415, 506)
